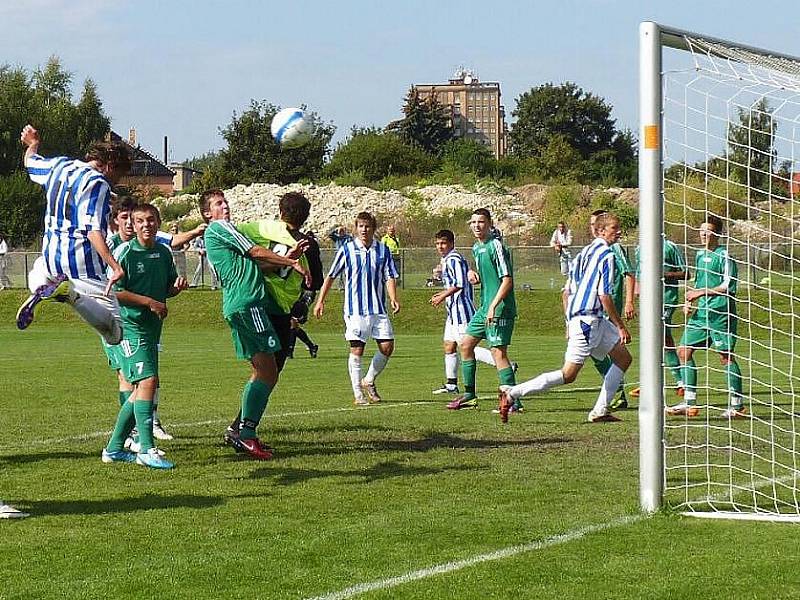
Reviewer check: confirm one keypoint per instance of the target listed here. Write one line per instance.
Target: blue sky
(181, 68)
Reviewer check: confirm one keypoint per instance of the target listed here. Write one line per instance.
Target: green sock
(674, 365)
(690, 376)
(506, 376)
(602, 366)
(143, 411)
(468, 370)
(254, 402)
(122, 428)
(734, 376)
(123, 396)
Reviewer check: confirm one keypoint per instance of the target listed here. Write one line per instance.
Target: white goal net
(729, 142)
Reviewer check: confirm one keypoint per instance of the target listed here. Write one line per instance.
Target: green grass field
(400, 500)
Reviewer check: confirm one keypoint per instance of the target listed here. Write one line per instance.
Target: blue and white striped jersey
(365, 272)
(460, 306)
(591, 275)
(78, 201)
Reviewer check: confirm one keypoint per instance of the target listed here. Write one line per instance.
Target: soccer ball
(291, 128)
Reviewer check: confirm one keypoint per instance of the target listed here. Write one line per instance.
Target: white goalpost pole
(651, 404)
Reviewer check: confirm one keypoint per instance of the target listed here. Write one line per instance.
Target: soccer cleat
(254, 448)
(134, 446)
(605, 417)
(160, 433)
(56, 289)
(517, 407)
(446, 389)
(9, 512)
(620, 402)
(635, 392)
(231, 438)
(371, 391)
(505, 403)
(462, 402)
(361, 401)
(683, 409)
(117, 456)
(735, 412)
(313, 350)
(153, 459)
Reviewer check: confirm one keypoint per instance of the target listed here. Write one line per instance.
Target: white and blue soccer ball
(291, 128)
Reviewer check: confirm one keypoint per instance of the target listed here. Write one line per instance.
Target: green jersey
(622, 267)
(114, 242)
(148, 272)
(241, 279)
(673, 261)
(493, 262)
(714, 268)
(284, 285)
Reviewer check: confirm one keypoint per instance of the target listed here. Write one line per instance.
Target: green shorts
(252, 332)
(138, 359)
(498, 333)
(717, 332)
(112, 353)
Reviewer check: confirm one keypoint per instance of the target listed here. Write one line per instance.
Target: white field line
(449, 567)
(269, 416)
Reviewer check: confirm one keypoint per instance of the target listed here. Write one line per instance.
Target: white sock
(354, 368)
(451, 366)
(610, 386)
(484, 355)
(100, 318)
(376, 366)
(538, 384)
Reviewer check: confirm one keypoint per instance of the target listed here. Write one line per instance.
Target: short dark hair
(205, 201)
(148, 208)
(598, 212)
(113, 154)
(446, 234)
(122, 204)
(368, 217)
(483, 211)
(294, 208)
(715, 221)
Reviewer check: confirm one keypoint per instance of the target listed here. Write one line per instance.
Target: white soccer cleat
(683, 409)
(735, 412)
(9, 512)
(160, 433)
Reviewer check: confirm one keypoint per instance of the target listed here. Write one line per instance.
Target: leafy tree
(750, 148)
(252, 154)
(16, 104)
(551, 117)
(426, 122)
(21, 208)
(91, 122)
(376, 154)
(467, 155)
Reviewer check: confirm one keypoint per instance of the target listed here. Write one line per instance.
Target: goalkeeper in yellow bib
(712, 323)
(494, 319)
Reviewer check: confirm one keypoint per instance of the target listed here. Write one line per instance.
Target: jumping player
(72, 267)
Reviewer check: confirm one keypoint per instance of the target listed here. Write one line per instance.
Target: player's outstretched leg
(57, 288)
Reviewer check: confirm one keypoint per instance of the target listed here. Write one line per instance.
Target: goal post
(720, 135)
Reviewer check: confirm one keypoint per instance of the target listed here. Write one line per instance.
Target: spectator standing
(560, 241)
(5, 282)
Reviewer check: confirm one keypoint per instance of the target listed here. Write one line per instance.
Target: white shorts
(93, 288)
(593, 336)
(358, 328)
(454, 332)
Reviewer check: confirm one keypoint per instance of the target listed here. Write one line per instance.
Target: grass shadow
(121, 505)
